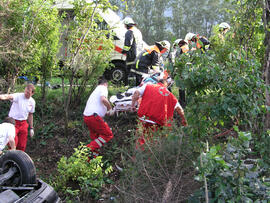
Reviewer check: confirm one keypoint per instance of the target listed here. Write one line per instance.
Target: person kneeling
(7, 134)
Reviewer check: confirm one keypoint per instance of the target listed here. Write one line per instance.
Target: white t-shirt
(94, 103)
(7, 132)
(21, 107)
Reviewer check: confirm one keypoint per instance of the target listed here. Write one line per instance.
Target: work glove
(111, 112)
(32, 132)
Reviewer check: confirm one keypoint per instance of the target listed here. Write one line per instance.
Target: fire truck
(117, 71)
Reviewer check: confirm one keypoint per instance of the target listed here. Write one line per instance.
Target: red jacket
(157, 104)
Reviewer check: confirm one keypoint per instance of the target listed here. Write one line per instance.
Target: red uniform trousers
(148, 129)
(100, 132)
(21, 134)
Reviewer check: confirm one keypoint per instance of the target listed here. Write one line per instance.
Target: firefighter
(156, 108)
(223, 29)
(133, 43)
(179, 47)
(150, 58)
(197, 42)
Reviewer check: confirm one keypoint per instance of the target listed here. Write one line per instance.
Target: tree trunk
(64, 107)
(267, 61)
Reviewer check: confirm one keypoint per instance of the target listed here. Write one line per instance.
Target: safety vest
(152, 48)
(157, 104)
(202, 45)
(185, 48)
(146, 52)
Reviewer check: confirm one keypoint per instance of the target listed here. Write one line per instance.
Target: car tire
(26, 170)
(118, 73)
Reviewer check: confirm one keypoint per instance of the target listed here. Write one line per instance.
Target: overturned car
(18, 182)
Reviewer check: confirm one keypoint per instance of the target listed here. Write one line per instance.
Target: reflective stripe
(134, 71)
(130, 63)
(98, 142)
(146, 120)
(126, 48)
(137, 64)
(101, 139)
(146, 53)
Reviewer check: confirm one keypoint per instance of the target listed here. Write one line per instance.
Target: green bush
(80, 177)
(221, 93)
(232, 174)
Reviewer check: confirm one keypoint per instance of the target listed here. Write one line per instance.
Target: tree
(85, 61)
(172, 19)
(266, 19)
(28, 38)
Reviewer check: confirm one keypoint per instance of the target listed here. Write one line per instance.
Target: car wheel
(118, 73)
(26, 170)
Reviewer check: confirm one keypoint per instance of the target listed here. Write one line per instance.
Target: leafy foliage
(29, 38)
(262, 147)
(224, 87)
(84, 61)
(83, 37)
(78, 171)
(221, 92)
(231, 175)
(174, 18)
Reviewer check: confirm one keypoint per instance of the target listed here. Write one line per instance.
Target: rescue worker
(221, 38)
(181, 48)
(190, 38)
(223, 29)
(96, 107)
(150, 58)
(22, 109)
(173, 51)
(156, 108)
(7, 134)
(132, 45)
(197, 42)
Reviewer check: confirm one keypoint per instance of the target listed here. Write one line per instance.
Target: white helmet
(224, 26)
(129, 21)
(189, 36)
(164, 44)
(176, 42)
